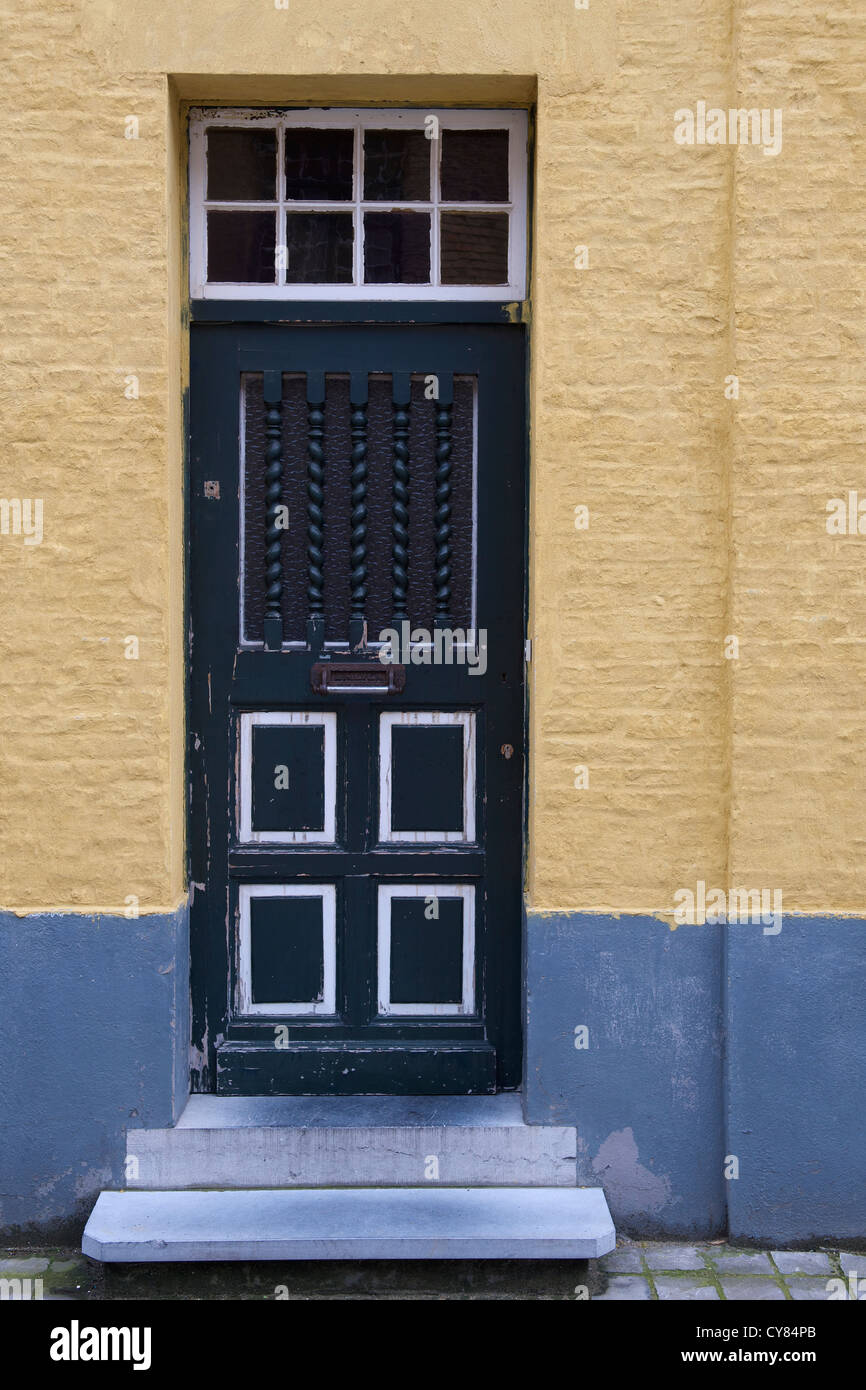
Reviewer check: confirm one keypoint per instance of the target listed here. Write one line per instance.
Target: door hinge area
(527, 650)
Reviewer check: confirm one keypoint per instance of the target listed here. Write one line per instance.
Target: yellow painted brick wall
(799, 784)
(629, 420)
(92, 742)
(706, 515)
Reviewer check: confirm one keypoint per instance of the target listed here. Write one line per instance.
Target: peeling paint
(631, 1185)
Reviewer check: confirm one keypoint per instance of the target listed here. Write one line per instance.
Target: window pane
(474, 248)
(396, 166)
(319, 248)
(241, 164)
(240, 246)
(474, 166)
(397, 248)
(319, 164)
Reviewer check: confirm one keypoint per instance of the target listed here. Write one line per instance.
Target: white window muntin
(425, 890)
(308, 1009)
(426, 719)
(247, 835)
(513, 121)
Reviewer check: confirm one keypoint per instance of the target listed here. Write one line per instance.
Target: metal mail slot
(356, 677)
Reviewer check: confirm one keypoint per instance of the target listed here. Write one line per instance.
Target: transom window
(339, 204)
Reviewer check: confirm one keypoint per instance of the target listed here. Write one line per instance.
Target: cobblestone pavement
(647, 1270)
(641, 1271)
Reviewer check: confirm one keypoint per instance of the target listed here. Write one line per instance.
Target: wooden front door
(356, 522)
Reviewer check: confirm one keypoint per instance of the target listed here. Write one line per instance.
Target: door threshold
(340, 1112)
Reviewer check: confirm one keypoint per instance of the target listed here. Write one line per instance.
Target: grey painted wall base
(646, 1093)
(795, 1081)
(95, 1029)
(706, 1044)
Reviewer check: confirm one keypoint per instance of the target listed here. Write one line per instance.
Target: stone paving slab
(625, 1261)
(743, 1288)
(853, 1264)
(808, 1289)
(670, 1290)
(802, 1262)
(674, 1257)
(744, 1262)
(625, 1288)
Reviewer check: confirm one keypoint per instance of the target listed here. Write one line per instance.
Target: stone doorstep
(351, 1224)
(352, 1141)
(339, 1178)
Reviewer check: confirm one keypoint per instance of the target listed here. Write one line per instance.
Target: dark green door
(356, 577)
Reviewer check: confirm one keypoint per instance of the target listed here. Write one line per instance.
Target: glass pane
(240, 246)
(241, 164)
(474, 248)
(397, 248)
(474, 166)
(319, 164)
(396, 166)
(319, 248)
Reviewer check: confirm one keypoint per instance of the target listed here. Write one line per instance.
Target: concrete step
(351, 1141)
(409, 1223)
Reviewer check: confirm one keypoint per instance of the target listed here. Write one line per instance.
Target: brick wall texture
(707, 513)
